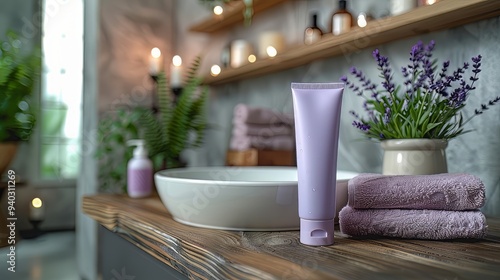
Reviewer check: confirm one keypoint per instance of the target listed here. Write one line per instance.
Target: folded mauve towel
(262, 130)
(245, 114)
(447, 191)
(283, 142)
(414, 224)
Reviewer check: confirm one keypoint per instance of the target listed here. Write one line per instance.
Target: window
(61, 89)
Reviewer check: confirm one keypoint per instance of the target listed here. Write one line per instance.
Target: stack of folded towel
(261, 128)
(440, 206)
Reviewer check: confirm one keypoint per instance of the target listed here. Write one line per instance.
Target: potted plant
(414, 121)
(19, 69)
(179, 124)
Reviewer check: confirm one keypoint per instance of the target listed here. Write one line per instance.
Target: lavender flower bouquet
(429, 103)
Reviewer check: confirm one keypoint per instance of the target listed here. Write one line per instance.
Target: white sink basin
(237, 198)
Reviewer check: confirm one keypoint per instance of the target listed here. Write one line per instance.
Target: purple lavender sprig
(416, 54)
(361, 126)
(419, 74)
(485, 107)
(427, 65)
(460, 94)
(442, 83)
(384, 67)
(366, 84)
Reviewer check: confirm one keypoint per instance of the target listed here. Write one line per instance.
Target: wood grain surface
(217, 254)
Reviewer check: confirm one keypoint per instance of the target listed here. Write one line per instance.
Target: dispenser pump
(140, 151)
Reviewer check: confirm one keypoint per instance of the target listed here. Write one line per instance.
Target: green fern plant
(19, 72)
(179, 124)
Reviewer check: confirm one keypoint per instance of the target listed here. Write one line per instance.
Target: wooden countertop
(208, 253)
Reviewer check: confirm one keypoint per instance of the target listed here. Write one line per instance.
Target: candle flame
(36, 202)
(155, 52)
(177, 60)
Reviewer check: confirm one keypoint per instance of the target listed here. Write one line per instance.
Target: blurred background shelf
(442, 15)
(233, 14)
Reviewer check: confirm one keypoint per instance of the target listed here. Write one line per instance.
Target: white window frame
(53, 8)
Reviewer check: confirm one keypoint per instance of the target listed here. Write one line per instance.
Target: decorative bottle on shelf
(313, 33)
(139, 171)
(341, 19)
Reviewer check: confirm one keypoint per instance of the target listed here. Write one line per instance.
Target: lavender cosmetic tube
(317, 109)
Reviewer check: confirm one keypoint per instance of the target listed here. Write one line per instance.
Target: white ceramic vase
(414, 156)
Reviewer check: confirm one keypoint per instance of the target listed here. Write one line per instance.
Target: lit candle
(37, 211)
(176, 72)
(155, 62)
(240, 50)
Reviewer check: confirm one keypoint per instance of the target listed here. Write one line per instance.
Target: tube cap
(316, 232)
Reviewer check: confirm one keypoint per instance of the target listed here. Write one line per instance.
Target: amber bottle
(313, 33)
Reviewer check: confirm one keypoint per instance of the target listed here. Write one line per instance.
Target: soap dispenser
(139, 171)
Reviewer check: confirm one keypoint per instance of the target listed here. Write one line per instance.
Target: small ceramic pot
(414, 156)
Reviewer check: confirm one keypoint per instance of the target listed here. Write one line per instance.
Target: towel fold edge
(466, 197)
(364, 226)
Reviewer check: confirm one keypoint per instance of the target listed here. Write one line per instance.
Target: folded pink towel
(245, 114)
(282, 142)
(414, 224)
(445, 191)
(262, 130)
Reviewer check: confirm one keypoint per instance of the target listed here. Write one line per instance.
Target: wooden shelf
(442, 15)
(233, 14)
